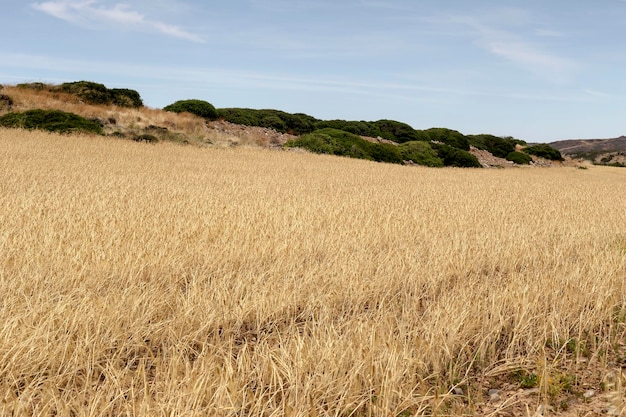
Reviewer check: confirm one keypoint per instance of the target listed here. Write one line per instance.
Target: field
(169, 280)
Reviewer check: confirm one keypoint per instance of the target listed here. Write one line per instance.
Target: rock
(457, 391)
(589, 394)
(494, 395)
(543, 410)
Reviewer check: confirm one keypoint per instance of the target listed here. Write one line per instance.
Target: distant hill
(599, 151)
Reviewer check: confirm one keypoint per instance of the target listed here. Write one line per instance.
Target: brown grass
(191, 128)
(164, 280)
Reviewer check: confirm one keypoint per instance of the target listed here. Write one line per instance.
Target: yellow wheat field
(166, 280)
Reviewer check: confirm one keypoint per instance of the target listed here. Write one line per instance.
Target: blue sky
(536, 70)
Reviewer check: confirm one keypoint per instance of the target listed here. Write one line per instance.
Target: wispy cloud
(410, 90)
(510, 35)
(91, 13)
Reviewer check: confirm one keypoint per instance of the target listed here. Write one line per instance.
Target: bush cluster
(449, 137)
(421, 153)
(544, 151)
(519, 158)
(95, 93)
(198, 107)
(50, 120)
(499, 147)
(455, 157)
(338, 142)
(296, 124)
(387, 129)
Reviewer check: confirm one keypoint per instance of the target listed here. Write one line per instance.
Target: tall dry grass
(164, 280)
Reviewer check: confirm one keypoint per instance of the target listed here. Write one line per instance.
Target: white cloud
(92, 14)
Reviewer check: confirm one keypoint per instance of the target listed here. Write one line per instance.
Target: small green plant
(525, 379)
(51, 120)
(198, 107)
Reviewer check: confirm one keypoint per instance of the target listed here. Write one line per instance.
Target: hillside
(600, 151)
(120, 113)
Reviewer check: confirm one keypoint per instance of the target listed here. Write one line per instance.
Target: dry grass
(183, 126)
(164, 280)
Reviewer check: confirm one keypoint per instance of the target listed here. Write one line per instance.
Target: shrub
(296, 124)
(388, 129)
(421, 153)
(395, 131)
(146, 138)
(51, 120)
(272, 121)
(6, 102)
(455, 157)
(338, 142)
(354, 127)
(449, 137)
(125, 97)
(95, 93)
(33, 86)
(198, 107)
(519, 158)
(544, 151)
(499, 147)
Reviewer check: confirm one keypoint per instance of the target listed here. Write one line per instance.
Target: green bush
(499, 147)
(51, 120)
(519, 158)
(449, 137)
(455, 157)
(421, 153)
(125, 97)
(95, 93)
(387, 129)
(198, 107)
(272, 121)
(394, 131)
(338, 142)
(33, 86)
(357, 128)
(544, 151)
(295, 124)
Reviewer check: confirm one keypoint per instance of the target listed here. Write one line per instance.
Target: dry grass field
(168, 280)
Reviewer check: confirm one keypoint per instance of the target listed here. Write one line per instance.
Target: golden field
(168, 280)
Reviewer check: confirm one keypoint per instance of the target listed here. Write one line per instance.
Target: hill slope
(599, 151)
(120, 113)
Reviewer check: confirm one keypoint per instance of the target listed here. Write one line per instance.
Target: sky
(538, 70)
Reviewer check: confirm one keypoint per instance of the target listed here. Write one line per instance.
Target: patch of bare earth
(487, 160)
(241, 134)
